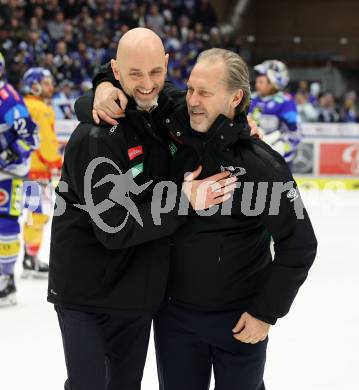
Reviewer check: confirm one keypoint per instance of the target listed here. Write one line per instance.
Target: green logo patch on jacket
(173, 148)
(137, 169)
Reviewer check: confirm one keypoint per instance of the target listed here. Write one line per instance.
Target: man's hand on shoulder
(106, 104)
(255, 130)
(250, 329)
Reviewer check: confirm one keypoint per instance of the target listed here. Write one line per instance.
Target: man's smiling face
(143, 76)
(208, 95)
(141, 67)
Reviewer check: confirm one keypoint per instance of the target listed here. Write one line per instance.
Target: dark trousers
(104, 351)
(190, 343)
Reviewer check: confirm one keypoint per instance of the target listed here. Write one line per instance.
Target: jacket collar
(135, 116)
(223, 129)
(145, 121)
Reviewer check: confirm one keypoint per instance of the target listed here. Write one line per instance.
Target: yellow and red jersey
(47, 157)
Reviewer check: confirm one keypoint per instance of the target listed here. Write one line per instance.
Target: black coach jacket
(92, 268)
(223, 262)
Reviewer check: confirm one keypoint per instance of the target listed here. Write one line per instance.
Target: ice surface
(315, 347)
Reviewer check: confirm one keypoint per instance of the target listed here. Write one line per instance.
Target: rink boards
(328, 156)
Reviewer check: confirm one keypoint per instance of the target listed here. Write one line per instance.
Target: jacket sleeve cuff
(268, 319)
(105, 74)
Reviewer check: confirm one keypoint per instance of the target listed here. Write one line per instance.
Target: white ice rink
(315, 347)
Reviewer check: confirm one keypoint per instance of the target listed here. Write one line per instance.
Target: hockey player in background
(275, 111)
(18, 139)
(45, 165)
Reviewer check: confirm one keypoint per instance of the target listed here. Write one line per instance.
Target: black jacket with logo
(223, 262)
(127, 270)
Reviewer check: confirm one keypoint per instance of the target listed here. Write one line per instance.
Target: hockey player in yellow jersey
(46, 163)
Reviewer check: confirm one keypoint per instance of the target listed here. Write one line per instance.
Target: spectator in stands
(140, 16)
(72, 7)
(205, 13)
(47, 62)
(63, 62)
(184, 26)
(83, 65)
(56, 28)
(215, 37)
(38, 14)
(303, 86)
(173, 42)
(24, 54)
(82, 34)
(37, 44)
(176, 78)
(314, 91)
(70, 37)
(349, 112)
(327, 111)
(59, 26)
(83, 19)
(64, 100)
(99, 28)
(311, 91)
(17, 29)
(306, 110)
(155, 21)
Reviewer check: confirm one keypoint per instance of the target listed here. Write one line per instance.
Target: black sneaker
(7, 290)
(34, 268)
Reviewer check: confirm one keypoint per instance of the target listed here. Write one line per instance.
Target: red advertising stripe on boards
(135, 151)
(341, 159)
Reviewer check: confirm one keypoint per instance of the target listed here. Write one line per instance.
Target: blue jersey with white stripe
(275, 113)
(18, 132)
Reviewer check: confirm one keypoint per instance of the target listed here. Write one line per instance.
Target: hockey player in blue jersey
(18, 138)
(275, 111)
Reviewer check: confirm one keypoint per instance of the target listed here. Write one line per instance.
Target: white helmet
(276, 71)
(35, 76)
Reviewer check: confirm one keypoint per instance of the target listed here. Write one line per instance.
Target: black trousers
(190, 343)
(103, 351)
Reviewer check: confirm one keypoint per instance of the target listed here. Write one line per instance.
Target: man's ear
(115, 70)
(237, 98)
